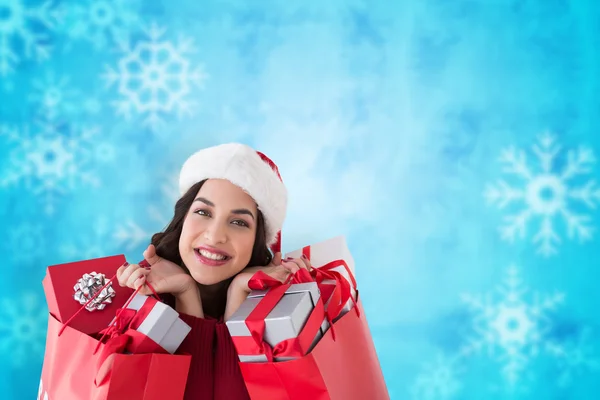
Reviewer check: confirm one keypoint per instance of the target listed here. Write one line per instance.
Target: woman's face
(218, 232)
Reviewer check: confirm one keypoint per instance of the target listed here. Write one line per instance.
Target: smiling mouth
(205, 254)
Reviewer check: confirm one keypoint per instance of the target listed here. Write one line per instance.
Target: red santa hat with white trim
(252, 171)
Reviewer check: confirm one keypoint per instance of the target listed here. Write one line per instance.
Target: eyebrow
(236, 211)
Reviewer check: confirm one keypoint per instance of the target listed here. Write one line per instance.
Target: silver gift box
(284, 322)
(162, 324)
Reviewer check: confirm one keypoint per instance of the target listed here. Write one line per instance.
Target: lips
(213, 250)
(208, 260)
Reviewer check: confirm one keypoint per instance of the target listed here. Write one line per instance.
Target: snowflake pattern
(155, 78)
(53, 95)
(24, 32)
(102, 22)
(510, 325)
(22, 328)
(437, 381)
(131, 234)
(52, 163)
(575, 357)
(26, 242)
(547, 194)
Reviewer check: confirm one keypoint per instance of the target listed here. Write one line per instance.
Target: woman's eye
(202, 212)
(240, 222)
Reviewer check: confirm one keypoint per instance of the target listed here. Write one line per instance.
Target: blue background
(454, 143)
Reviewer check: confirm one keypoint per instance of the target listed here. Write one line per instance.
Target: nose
(215, 232)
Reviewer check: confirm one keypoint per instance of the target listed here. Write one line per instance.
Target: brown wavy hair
(167, 242)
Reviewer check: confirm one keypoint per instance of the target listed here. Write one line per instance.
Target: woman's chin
(206, 274)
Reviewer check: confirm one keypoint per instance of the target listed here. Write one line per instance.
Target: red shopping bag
(346, 368)
(70, 368)
(342, 366)
(73, 359)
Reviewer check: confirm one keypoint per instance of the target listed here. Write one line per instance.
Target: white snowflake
(23, 322)
(131, 234)
(547, 194)
(513, 323)
(437, 381)
(53, 95)
(155, 78)
(26, 241)
(102, 22)
(24, 32)
(56, 98)
(575, 357)
(51, 163)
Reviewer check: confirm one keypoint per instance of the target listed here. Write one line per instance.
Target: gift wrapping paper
(285, 321)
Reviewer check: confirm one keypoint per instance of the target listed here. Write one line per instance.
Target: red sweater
(214, 371)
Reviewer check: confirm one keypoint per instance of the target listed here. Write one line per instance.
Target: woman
(232, 209)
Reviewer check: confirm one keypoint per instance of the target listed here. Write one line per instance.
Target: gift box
(69, 286)
(158, 322)
(285, 321)
(344, 363)
(71, 366)
(322, 253)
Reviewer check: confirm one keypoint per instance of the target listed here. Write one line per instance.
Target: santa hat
(249, 169)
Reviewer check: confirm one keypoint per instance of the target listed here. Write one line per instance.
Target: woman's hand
(163, 275)
(277, 269)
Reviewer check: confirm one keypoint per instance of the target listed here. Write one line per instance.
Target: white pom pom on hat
(248, 169)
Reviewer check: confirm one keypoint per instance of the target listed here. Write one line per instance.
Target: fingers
(137, 278)
(294, 264)
(290, 267)
(150, 255)
(145, 290)
(120, 271)
(277, 259)
(124, 271)
(306, 262)
(129, 275)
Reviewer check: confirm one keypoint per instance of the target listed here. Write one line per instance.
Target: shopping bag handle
(110, 281)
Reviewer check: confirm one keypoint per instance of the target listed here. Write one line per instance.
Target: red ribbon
(342, 291)
(326, 272)
(293, 347)
(339, 296)
(329, 267)
(122, 334)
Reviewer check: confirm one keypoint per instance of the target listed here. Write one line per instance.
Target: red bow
(123, 336)
(294, 347)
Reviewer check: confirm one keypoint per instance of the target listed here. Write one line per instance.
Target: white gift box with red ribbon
(285, 321)
(161, 324)
(324, 252)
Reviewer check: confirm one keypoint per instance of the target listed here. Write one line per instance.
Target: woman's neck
(214, 298)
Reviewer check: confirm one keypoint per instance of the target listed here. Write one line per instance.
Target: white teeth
(210, 255)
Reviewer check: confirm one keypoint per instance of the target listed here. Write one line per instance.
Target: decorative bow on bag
(122, 335)
(93, 291)
(338, 294)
